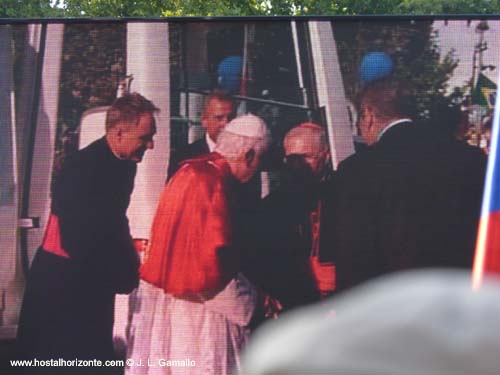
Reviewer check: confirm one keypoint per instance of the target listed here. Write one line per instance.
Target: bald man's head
(307, 142)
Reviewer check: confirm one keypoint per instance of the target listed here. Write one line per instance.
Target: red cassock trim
(52, 238)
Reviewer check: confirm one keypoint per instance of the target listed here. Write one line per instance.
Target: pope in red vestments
(192, 230)
(194, 303)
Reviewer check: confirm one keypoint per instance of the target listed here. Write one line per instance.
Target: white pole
(330, 87)
(149, 64)
(300, 73)
(8, 186)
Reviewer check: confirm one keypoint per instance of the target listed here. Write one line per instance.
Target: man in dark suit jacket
(218, 109)
(412, 199)
(291, 224)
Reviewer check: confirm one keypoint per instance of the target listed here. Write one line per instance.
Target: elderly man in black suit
(218, 109)
(410, 200)
(286, 258)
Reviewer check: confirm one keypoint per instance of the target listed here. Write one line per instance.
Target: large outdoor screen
(264, 226)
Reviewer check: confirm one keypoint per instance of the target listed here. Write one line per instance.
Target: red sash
(52, 238)
(323, 273)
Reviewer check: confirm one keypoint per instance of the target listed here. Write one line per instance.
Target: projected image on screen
(168, 187)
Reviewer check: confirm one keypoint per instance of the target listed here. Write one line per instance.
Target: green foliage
(93, 62)
(160, 8)
(28, 9)
(163, 8)
(413, 47)
(166, 8)
(448, 7)
(414, 7)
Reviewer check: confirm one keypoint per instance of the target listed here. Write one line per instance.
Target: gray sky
(462, 38)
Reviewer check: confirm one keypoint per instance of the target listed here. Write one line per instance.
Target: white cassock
(172, 336)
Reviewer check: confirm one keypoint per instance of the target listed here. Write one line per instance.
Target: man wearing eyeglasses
(293, 221)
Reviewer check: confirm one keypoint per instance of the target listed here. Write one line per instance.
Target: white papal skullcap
(249, 126)
(413, 323)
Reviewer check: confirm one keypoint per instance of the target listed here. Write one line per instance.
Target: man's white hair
(309, 131)
(243, 134)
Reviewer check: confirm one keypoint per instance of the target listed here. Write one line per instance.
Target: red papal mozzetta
(191, 226)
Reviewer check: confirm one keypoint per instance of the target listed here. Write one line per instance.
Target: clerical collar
(113, 151)
(210, 143)
(394, 123)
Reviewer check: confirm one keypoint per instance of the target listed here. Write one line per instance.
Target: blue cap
(229, 73)
(375, 65)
